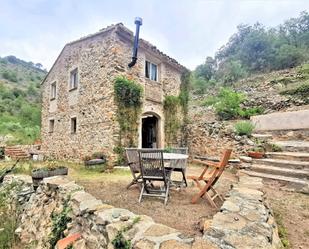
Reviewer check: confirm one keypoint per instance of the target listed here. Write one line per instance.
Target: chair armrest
(208, 163)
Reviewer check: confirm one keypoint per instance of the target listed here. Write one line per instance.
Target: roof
(122, 30)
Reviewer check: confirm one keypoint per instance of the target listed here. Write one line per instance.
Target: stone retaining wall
(296, 120)
(244, 221)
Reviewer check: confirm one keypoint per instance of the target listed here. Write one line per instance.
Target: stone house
(78, 105)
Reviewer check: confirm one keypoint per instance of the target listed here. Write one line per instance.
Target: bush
(228, 103)
(304, 69)
(244, 128)
(247, 113)
(301, 91)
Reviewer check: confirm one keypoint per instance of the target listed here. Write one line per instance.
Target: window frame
(51, 125)
(73, 128)
(73, 86)
(53, 93)
(150, 70)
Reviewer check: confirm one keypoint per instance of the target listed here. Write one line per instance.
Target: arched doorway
(150, 131)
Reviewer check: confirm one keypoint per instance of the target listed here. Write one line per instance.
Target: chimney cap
(138, 20)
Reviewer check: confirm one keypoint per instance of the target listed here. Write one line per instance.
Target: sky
(187, 30)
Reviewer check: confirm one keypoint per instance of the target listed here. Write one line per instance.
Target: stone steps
(297, 184)
(267, 169)
(282, 163)
(296, 156)
(16, 153)
(293, 146)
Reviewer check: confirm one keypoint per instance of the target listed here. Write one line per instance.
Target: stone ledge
(244, 221)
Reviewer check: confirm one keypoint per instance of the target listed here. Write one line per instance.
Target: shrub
(302, 90)
(247, 113)
(304, 69)
(228, 104)
(244, 128)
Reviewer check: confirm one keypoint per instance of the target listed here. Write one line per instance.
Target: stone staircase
(291, 166)
(16, 152)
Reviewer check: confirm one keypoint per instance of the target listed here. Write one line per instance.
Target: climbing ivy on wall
(174, 108)
(128, 97)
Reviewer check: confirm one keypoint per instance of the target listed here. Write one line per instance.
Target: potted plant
(257, 152)
(97, 158)
(52, 169)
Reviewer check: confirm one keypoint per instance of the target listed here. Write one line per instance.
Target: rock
(200, 243)
(249, 142)
(173, 244)
(238, 138)
(228, 221)
(230, 206)
(159, 230)
(144, 244)
(245, 159)
(89, 205)
(207, 224)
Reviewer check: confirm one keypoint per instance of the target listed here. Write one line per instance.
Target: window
(74, 79)
(151, 71)
(73, 125)
(53, 91)
(51, 125)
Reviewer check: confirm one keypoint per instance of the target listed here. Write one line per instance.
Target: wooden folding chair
(152, 170)
(134, 165)
(210, 176)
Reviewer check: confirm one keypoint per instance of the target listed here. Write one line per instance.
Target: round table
(174, 156)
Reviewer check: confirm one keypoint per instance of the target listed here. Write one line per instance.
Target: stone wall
(244, 221)
(100, 59)
(91, 103)
(297, 120)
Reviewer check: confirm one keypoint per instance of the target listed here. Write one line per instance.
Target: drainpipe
(138, 22)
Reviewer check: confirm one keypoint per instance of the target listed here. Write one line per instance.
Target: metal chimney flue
(138, 22)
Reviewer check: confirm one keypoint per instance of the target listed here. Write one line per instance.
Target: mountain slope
(19, 100)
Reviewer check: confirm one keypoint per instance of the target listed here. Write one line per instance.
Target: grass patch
(244, 128)
(8, 216)
(282, 231)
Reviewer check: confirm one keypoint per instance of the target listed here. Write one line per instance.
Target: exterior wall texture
(99, 60)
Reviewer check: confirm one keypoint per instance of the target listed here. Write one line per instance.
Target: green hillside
(19, 100)
(256, 49)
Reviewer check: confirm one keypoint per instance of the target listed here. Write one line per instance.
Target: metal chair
(179, 165)
(134, 165)
(152, 170)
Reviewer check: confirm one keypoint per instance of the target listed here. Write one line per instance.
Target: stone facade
(99, 59)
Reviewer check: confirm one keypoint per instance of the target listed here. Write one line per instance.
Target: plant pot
(39, 174)
(58, 171)
(256, 154)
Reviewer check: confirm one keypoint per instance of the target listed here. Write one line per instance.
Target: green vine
(174, 108)
(60, 221)
(128, 98)
(119, 242)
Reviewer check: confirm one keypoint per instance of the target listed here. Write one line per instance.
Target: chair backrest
(151, 163)
(222, 164)
(180, 150)
(133, 159)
